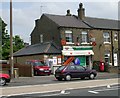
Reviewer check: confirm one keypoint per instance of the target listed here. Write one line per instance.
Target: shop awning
(77, 53)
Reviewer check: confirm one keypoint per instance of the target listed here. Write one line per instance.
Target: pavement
(21, 81)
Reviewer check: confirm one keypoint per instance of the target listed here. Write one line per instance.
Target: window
(116, 37)
(107, 56)
(68, 35)
(41, 38)
(84, 37)
(106, 36)
(71, 68)
(80, 68)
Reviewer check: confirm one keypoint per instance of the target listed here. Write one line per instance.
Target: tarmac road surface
(44, 88)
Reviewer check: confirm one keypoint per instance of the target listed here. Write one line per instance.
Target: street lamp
(11, 45)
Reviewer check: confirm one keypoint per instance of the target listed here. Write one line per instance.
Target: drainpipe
(112, 49)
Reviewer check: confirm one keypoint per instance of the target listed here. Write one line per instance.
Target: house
(81, 38)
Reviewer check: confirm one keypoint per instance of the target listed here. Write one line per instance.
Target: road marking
(100, 90)
(56, 94)
(93, 92)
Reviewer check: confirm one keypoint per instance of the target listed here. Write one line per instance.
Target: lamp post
(11, 45)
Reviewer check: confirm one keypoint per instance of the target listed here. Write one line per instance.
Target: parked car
(39, 67)
(74, 71)
(4, 78)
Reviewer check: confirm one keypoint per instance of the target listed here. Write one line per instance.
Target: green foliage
(17, 43)
(5, 41)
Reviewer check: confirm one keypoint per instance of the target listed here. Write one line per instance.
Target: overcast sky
(25, 13)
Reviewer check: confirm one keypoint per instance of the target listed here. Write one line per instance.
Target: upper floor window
(68, 35)
(116, 37)
(84, 37)
(41, 38)
(106, 36)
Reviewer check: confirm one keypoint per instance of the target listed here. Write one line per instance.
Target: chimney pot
(80, 5)
(68, 13)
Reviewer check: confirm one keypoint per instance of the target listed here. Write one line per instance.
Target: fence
(21, 70)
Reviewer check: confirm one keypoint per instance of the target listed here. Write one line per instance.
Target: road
(111, 91)
(45, 84)
(44, 88)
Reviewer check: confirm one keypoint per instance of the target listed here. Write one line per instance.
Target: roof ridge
(103, 18)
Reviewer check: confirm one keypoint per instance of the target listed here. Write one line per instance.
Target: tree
(17, 43)
(5, 41)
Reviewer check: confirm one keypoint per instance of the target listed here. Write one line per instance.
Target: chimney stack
(81, 12)
(68, 13)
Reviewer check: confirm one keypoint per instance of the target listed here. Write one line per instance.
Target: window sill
(107, 42)
(85, 43)
(69, 43)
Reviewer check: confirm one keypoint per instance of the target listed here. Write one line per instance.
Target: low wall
(114, 69)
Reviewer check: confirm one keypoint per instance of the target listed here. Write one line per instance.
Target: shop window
(68, 35)
(106, 36)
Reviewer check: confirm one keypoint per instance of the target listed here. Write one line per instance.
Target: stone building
(82, 38)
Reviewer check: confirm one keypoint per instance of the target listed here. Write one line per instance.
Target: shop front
(78, 55)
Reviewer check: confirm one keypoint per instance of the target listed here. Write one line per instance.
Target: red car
(4, 78)
(40, 68)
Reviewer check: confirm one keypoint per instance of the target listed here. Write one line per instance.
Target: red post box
(102, 66)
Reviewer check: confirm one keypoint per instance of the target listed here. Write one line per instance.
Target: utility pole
(119, 47)
(11, 44)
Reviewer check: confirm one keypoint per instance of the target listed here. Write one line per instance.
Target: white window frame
(106, 38)
(116, 36)
(85, 41)
(41, 38)
(70, 36)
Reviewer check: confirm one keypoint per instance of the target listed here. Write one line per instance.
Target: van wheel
(92, 76)
(2, 81)
(68, 77)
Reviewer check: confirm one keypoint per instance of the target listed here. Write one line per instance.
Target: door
(81, 71)
(72, 70)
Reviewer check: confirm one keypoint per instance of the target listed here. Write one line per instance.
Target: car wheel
(92, 76)
(68, 77)
(2, 81)
(35, 73)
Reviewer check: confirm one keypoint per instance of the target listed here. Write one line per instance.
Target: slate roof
(102, 23)
(67, 21)
(88, 22)
(46, 48)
